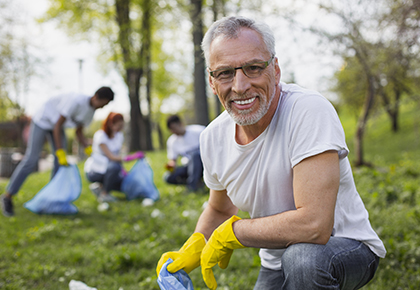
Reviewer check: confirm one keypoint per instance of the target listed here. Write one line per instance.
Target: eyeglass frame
(267, 63)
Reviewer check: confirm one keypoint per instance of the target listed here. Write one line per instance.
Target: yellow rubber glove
(88, 150)
(61, 155)
(218, 250)
(187, 258)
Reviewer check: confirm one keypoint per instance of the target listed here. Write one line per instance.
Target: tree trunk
(147, 40)
(160, 137)
(361, 123)
(140, 136)
(136, 124)
(218, 8)
(395, 110)
(200, 96)
(391, 109)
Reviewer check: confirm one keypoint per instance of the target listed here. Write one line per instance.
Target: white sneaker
(95, 188)
(106, 198)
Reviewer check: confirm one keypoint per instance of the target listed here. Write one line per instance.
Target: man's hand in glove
(187, 258)
(61, 156)
(218, 250)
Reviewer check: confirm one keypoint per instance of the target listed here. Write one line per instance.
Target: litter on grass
(78, 285)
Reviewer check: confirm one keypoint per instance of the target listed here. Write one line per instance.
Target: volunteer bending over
(63, 111)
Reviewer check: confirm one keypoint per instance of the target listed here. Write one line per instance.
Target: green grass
(119, 248)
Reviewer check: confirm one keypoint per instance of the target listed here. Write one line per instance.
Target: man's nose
(240, 82)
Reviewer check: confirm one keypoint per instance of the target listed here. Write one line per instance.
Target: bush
(392, 197)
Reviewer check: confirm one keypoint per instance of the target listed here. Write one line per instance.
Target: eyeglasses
(252, 70)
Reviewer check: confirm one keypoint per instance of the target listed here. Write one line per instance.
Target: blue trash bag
(139, 182)
(57, 196)
(174, 281)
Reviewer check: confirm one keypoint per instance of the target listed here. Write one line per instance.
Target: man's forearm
(81, 137)
(57, 131)
(282, 230)
(210, 219)
(57, 137)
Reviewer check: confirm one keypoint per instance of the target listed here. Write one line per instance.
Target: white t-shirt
(258, 176)
(181, 145)
(74, 107)
(98, 162)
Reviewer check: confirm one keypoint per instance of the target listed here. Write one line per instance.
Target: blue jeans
(342, 263)
(190, 174)
(28, 164)
(111, 179)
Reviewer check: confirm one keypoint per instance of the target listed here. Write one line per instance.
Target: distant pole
(80, 60)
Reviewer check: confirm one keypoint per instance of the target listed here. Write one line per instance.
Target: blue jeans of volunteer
(111, 179)
(190, 174)
(28, 164)
(342, 263)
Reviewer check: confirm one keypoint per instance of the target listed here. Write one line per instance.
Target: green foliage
(9, 110)
(391, 192)
(392, 196)
(18, 62)
(351, 85)
(383, 146)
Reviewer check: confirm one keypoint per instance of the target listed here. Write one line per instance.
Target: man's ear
(278, 70)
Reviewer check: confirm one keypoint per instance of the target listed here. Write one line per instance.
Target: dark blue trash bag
(139, 182)
(57, 196)
(174, 281)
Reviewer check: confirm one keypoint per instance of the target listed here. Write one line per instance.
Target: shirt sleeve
(102, 137)
(315, 128)
(170, 148)
(209, 176)
(98, 138)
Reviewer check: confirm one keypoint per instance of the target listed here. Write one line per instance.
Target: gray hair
(229, 27)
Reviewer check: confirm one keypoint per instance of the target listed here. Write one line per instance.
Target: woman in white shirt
(103, 167)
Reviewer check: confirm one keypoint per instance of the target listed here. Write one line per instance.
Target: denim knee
(113, 167)
(305, 266)
(299, 258)
(340, 264)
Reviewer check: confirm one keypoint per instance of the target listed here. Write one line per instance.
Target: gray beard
(243, 119)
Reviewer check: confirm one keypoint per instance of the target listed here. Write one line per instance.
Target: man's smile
(244, 102)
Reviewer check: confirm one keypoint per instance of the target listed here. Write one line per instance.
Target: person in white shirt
(63, 111)
(184, 143)
(279, 153)
(104, 167)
